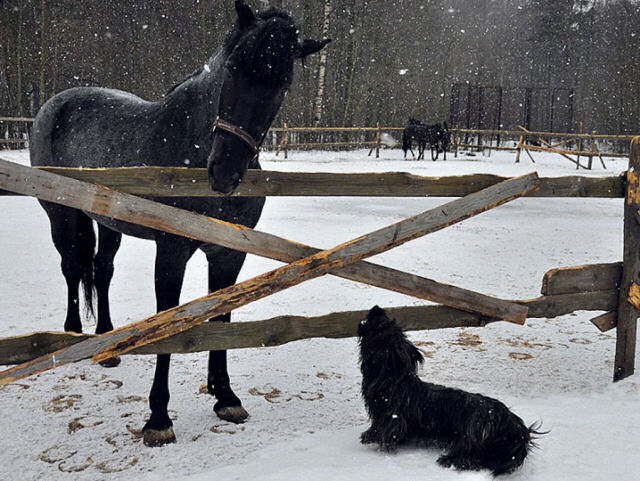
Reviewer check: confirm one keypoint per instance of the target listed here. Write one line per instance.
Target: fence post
(456, 141)
(629, 297)
(519, 149)
(376, 142)
(580, 142)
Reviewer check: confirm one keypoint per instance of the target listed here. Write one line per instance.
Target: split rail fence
(612, 288)
(571, 146)
(14, 133)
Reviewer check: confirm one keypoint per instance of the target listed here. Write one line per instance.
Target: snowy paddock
(81, 422)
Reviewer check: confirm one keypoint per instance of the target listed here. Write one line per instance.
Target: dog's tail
(534, 434)
(519, 450)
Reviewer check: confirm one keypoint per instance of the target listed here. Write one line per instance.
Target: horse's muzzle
(222, 182)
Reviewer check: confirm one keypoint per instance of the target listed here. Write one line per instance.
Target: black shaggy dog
(476, 431)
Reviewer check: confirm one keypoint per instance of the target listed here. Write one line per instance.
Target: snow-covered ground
(80, 422)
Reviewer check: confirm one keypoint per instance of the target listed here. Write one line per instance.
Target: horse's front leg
(228, 407)
(171, 259)
(224, 266)
(158, 430)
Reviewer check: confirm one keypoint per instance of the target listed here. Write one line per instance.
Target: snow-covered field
(79, 422)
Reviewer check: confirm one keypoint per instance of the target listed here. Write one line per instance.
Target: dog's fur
(477, 432)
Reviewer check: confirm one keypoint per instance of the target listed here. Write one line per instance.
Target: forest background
(389, 59)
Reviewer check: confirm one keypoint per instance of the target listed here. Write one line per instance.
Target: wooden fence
(14, 133)
(613, 288)
(564, 144)
(305, 262)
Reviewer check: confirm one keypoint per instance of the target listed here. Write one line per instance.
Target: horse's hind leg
(108, 245)
(171, 259)
(74, 239)
(224, 266)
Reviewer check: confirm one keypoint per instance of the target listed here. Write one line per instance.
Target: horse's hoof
(234, 414)
(158, 437)
(111, 362)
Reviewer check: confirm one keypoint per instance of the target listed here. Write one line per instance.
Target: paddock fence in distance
(14, 134)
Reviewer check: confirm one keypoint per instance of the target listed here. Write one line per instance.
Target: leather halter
(238, 132)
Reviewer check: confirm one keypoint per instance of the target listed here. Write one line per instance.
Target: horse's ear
(246, 18)
(309, 47)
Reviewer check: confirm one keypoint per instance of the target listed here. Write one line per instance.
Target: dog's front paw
(389, 447)
(445, 461)
(461, 463)
(369, 437)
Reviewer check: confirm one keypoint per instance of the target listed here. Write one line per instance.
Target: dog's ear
(404, 357)
(416, 355)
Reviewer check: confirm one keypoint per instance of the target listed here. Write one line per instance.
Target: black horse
(216, 118)
(436, 135)
(413, 132)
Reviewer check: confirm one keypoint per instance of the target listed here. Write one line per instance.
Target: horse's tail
(86, 246)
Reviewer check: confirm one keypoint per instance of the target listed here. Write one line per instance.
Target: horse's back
(98, 127)
(87, 126)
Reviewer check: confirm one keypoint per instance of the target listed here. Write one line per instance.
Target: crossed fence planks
(277, 331)
(100, 200)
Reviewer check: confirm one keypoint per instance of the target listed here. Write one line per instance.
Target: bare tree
(317, 116)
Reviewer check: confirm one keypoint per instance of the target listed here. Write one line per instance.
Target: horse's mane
(195, 73)
(257, 53)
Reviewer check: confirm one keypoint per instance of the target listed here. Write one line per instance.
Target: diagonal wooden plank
(103, 201)
(186, 316)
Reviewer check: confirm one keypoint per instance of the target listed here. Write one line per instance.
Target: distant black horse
(436, 135)
(239, 90)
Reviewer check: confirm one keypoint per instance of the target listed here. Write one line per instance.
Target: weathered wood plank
(558, 305)
(186, 316)
(607, 321)
(78, 194)
(592, 277)
(282, 329)
(626, 328)
(180, 182)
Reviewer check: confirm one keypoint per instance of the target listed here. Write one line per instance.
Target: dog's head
(383, 344)
(376, 321)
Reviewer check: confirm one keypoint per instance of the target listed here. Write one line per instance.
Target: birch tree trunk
(317, 113)
(43, 39)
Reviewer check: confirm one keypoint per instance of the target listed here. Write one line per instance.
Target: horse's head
(261, 50)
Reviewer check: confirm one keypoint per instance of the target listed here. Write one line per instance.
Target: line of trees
(389, 59)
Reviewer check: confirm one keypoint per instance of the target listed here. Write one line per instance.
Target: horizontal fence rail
(284, 329)
(190, 182)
